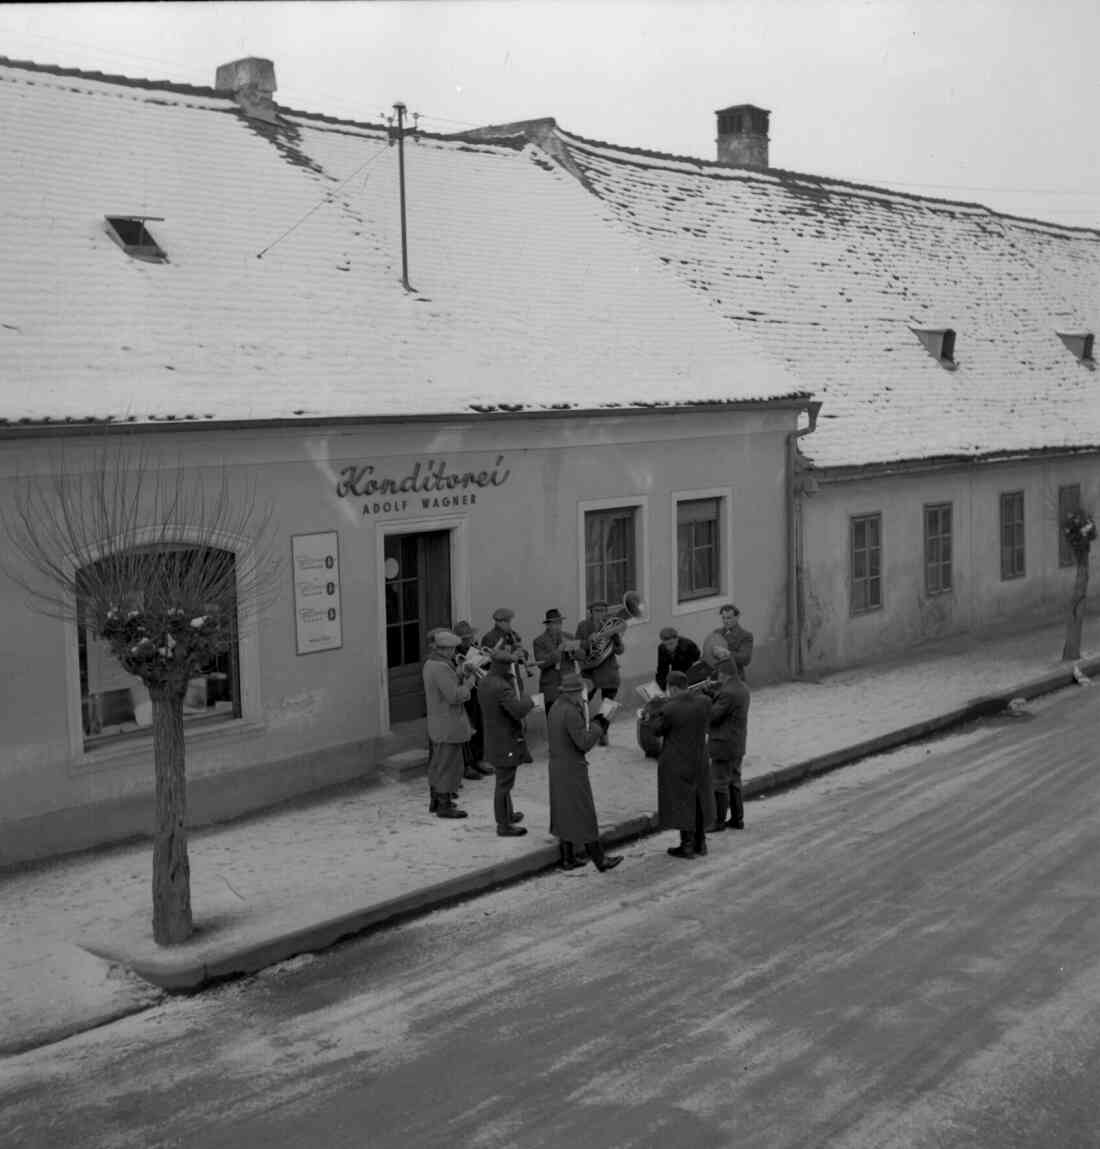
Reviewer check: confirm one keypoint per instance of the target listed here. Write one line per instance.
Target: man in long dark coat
(685, 800)
(572, 808)
(729, 724)
(445, 694)
(502, 712)
(555, 652)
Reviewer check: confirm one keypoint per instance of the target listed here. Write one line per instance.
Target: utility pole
(397, 135)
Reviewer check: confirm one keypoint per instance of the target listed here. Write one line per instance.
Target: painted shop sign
(429, 486)
(316, 560)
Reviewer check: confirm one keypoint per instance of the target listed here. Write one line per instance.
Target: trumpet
(618, 616)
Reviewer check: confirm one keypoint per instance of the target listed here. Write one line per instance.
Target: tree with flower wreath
(137, 550)
(1079, 529)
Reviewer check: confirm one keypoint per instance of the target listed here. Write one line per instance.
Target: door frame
(457, 529)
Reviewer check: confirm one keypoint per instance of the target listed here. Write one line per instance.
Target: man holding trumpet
(556, 654)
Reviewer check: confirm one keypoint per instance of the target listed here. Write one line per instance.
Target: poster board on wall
(315, 560)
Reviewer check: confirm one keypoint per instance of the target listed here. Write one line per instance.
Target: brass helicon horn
(631, 606)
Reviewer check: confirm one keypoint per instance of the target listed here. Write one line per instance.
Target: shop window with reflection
(610, 553)
(114, 703)
(697, 549)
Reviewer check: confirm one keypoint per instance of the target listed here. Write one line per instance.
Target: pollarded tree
(156, 559)
(1079, 529)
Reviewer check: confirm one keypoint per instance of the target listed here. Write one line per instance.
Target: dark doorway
(418, 599)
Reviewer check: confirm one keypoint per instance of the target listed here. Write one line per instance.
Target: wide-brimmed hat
(503, 614)
(463, 629)
(446, 638)
(668, 632)
(572, 684)
(554, 615)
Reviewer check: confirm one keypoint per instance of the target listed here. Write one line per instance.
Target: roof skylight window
(1080, 343)
(939, 342)
(131, 234)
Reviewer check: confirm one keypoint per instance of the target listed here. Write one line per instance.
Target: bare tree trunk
(1075, 616)
(171, 870)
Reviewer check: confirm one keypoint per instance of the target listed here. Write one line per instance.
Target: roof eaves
(111, 78)
(849, 472)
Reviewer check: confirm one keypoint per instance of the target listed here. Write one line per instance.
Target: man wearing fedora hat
(570, 736)
(445, 695)
(555, 653)
(503, 711)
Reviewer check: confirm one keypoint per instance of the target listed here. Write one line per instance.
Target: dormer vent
(1079, 343)
(939, 342)
(131, 234)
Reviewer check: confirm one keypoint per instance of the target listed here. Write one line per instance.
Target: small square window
(131, 234)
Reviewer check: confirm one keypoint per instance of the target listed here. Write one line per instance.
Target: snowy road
(905, 954)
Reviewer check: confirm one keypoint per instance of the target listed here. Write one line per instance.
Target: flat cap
(503, 614)
(446, 638)
(572, 684)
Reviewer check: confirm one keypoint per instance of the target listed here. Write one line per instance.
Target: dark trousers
(502, 794)
(477, 741)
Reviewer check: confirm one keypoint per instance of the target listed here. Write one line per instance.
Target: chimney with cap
(251, 82)
(743, 136)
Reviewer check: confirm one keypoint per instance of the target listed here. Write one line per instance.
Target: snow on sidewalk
(284, 870)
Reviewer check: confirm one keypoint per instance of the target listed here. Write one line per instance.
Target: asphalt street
(903, 954)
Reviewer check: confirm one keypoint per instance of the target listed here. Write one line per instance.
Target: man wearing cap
(674, 653)
(605, 676)
(503, 710)
(732, 637)
(445, 695)
(504, 636)
(475, 748)
(685, 798)
(555, 652)
(729, 723)
(570, 735)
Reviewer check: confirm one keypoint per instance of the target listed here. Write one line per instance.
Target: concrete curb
(179, 973)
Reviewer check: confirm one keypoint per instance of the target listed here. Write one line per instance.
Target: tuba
(615, 623)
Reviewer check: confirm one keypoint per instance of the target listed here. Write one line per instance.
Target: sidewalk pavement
(76, 947)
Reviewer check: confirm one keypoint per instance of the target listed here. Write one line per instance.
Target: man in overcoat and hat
(572, 808)
(504, 635)
(728, 732)
(475, 748)
(604, 676)
(503, 710)
(555, 653)
(685, 799)
(445, 695)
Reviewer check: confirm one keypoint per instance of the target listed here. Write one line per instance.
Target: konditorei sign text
(429, 486)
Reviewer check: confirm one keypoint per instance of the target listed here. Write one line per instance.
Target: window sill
(699, 605)
(138, 749)
(864, 611)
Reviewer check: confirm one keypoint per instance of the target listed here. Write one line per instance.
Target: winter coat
(683, 772)
(737, 640)
(572, 807)
(445, 700)
(508, 640)
(605, 676)
(683, 658)
(502, 711)
(729, 721)
(551, 661)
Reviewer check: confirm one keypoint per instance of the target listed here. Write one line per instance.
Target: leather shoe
(517, 817)
(681, 852)
(451, 812)
(473, 775)
(484, 769)
(736, 825)
(511, 831)
(701, 850)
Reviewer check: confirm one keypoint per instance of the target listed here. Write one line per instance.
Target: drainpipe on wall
(794, 545)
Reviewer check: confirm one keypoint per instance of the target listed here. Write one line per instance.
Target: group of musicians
(477, 701)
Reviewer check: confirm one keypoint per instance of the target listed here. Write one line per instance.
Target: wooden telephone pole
(397, 135)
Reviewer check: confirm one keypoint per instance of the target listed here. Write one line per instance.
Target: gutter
(794, 545)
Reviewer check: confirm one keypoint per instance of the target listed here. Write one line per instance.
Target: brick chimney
(250, 82)
(743, 136)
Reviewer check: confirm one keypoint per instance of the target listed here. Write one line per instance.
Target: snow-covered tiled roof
(831, 279)
(282, 294)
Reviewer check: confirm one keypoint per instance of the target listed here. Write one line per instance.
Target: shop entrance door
(418, 599)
